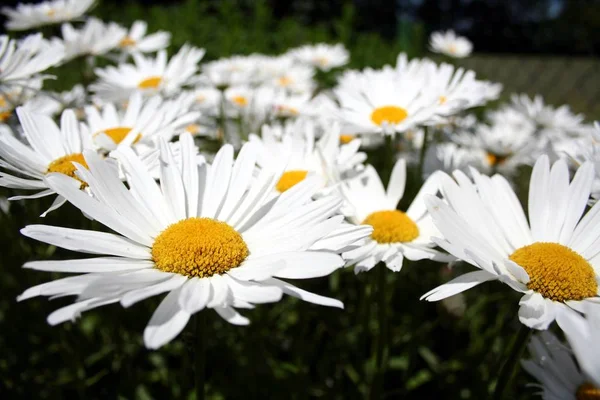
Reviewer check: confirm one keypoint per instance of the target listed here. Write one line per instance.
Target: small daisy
(142, 123)
(232, 71)
(396, 234)
(322, 56)
(137, 40)
(559, 376)
(293, 78)
(208, 235)
(148, 75)
(27, 16)
(93, 38)
(450, 44)
(450, 156)
(49, 149)
(383, 102)
(560, 120)
(587, 149)
(24, 59)
(553, 259)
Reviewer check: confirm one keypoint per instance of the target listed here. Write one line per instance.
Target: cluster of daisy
(218, 181)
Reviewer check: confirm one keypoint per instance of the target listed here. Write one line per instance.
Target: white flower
(553, 366)
(93, 38)
(148, 75)
(586, 149)
(27, 16)
(383, 102)
(322, 56)
(450, 44)
(293, 78)
(552, 260)
(449, 156)
(396, 234)
(137, 40)
(12, 96)
(50, 149)
(142, 123)
(20, 61)
(559, 120)
(232, 71)
(206, 235)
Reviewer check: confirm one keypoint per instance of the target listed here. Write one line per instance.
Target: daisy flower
(383, 102)
(396, 234)
(553, 259)
(231, 71)
(93, 38)
(24, 59)
(142, 123)
(560, 377)
(587, 149)
(322, 56)
(450, 156)
(49, 149)
(27, 16)
(148, 75)
(207, 236)
(293, 78)
(137, 40)
(561, 120)
(450, 44)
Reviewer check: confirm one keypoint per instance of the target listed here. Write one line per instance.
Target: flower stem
(200, 354)
(510, 366)
(422, 153)
(382, 343)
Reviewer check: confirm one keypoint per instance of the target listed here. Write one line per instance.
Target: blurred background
(295, 350)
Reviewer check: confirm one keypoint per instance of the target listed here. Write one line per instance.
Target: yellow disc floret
(587, 391)
(392, 226)
(64, 165)
(199, 247)
(240, 101)
(556, 272)
(289, 179)
(345, 139)
(126, 42)
(389, 114)
(118, 134)
(150, 83)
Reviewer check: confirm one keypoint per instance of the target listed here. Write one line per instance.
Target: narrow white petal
(167, 322)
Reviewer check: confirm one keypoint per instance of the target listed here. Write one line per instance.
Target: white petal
(167, 322)
(195, 295)
(309, 297)
(535, 311)
(232, 316)
(458, 285)
(101, 264)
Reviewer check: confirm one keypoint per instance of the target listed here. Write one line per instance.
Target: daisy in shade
(142, 123)
(136, 39)
(561, 377)
(322, 56)
(27, 16)
(207, 235)
(49, 149)
(383, 102)
(553, 260)
(396, 234)
(23, 60)
(585, 149)
(450, 44)
(148, 75)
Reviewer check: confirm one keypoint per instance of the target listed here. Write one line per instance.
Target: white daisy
(93, 38)
(142, 123)
(450, 156)
(553, 260)
(206, 235)
(321, 55)
(137, 40)
(27, 16)
(559, 376)
(560, 120)
(587, 149)
(293, 78)
(12, 96)
(148, 75)
(232, 71)
(450, 44)
(383, 101)
(22, 60)
(396, 234)
(49, 149)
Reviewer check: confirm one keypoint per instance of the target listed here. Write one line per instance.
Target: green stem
(223, 119)
(200, 354)
(511, 365)
(382, 343)
(422, 153)
(389, 157)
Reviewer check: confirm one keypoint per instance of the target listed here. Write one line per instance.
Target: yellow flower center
(118, 134)
(200, 98)
(322, 61)
(443, 99)
(199, 247)
(284, 81)
(452, 49)
(193, 129)
(240, 101)
(289, 179)
(5, 115)
(556, 272)
(587, 391)
(345, 139)
(51, 13)
(392, 226)
(2, 101)
(495, 159)
(64, 165)
(150, 83)
(389, 114)
(126, 42)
